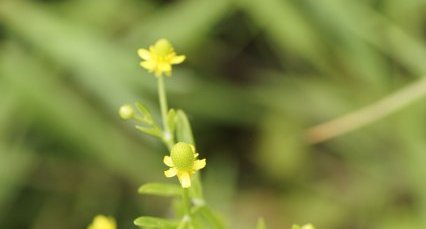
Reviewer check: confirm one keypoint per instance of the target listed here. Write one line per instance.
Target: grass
(260, 76)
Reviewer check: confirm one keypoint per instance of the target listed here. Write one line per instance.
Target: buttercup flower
(160, 57)
(183, 162)
(102, 222)
(306, 226)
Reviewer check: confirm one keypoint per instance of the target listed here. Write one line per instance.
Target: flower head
(102, 222)
(183, 162)
(160, 57)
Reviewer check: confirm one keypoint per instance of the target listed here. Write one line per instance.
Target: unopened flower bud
(126, 112)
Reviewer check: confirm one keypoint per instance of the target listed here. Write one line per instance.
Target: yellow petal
(170, 172)
(199, 164)
(150, 65)
(193, 150)
(165, 67)
(178, 59)
(168, 161)
(184, 179)
(144, 54)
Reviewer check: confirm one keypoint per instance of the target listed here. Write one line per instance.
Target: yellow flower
(160, 57)
(183, 162)
(306, 226)
(102, 222)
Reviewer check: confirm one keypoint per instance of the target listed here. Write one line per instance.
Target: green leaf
(209, 215)
(160, 189)
(154, 222)
(183, 128)
(150, 130)
(145, 112)
(261, 224)
(171, 123)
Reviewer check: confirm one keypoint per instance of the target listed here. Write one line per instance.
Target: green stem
(168, 139)
(186, 201)
(167, 136)
(187, 205)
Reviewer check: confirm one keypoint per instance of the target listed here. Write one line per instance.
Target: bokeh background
(260, 76)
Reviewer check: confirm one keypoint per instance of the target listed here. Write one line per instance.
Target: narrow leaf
(183, 128)
(145, 112)
(154, 222)
(150, 130)
(171, 123)
(160, 189)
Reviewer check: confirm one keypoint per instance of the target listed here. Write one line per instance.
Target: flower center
(163, 48)
(182, 155)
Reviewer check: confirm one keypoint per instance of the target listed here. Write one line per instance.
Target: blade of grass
(288, 30)
(73, 119)
(97, 64)
(357, 18)
(176, 22)
(369, 114)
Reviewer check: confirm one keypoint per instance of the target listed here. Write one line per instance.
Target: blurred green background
(258, 76)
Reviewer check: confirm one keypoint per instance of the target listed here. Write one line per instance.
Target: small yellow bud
(182, 155)
(102, 222)
(126, 112)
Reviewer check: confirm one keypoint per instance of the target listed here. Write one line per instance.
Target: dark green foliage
(258, 75)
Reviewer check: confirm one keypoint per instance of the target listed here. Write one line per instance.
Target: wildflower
(160, 57)
(126, 112)
(183, 162)
(306, 226)
(102, 222)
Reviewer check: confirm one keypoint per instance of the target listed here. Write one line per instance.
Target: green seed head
(182, 155)
(163, 47)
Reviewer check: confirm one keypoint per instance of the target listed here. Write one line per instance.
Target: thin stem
(168, 139)
(163, 100)
(167, 136)
(186, 201)
(368, 114)
(187, 205)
